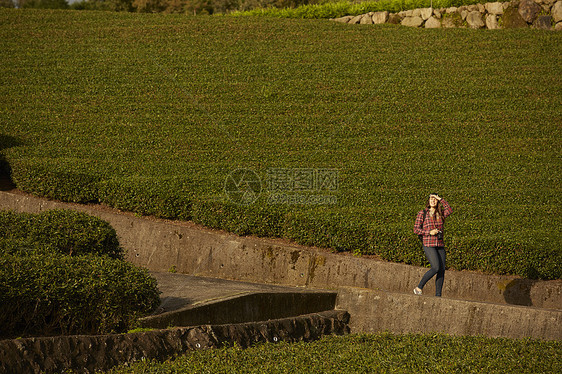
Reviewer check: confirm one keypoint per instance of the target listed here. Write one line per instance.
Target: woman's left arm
(446, 208)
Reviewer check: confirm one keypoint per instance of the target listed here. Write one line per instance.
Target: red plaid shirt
(431, 223)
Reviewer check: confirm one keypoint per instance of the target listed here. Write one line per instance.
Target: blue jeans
(436, 257)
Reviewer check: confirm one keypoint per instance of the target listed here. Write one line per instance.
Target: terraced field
(154, 113)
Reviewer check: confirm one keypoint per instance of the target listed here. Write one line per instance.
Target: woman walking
(429, 226)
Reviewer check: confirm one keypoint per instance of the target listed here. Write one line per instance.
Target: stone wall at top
(539, 14)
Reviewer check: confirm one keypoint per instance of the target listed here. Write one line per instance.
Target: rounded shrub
(50, 294)
(14, 225)
(64, 231)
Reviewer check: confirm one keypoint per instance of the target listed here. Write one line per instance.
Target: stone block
(366, 20)
(529, 10)
(512, 19)
(345, 19)
(494, 8)
(543, 23)
(432, 23)
(394, 19)
(474, 20)
(492, 22)
(412, 21)
(355, 20)
(556, 11)
(452, 20)
(380, 17)
(425, 13)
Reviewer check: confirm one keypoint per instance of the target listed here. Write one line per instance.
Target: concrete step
(193, 301)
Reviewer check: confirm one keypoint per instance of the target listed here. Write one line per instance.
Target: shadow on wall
(518, 292)
(6, 142)
(172, 303)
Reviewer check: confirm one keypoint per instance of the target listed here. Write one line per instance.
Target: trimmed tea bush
(56, 180)
(255, 219)
(15, 225)
(377, 353)
(64, 231)
(165, 198)
(330, 230)
(62, 272)
(50, 293)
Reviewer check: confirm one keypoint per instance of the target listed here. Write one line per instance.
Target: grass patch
(151, 113)
(334, 9)
(382, 353)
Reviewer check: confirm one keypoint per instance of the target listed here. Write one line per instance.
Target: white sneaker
(417, 291)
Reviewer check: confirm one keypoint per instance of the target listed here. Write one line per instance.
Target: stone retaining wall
(373, 311)
(539, 14)
(87, 354)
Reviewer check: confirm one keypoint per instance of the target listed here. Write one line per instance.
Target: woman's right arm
(418, 226)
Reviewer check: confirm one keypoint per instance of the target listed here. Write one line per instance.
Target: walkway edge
(87, 354)
(375, 311)
(248, 307)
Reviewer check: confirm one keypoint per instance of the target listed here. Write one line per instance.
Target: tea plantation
(151, 113)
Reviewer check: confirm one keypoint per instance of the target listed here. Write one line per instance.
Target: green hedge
(340, 230)
(335, 9)
(56, 180)
(62, 272)
(63, 180)
(330, 230)
(365, 235)
(165, 197)
(64, 231)
(376, 353)
(255, 219)
(50, 293)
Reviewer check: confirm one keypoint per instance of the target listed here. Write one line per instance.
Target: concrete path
(190, 301)
(182, 290)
